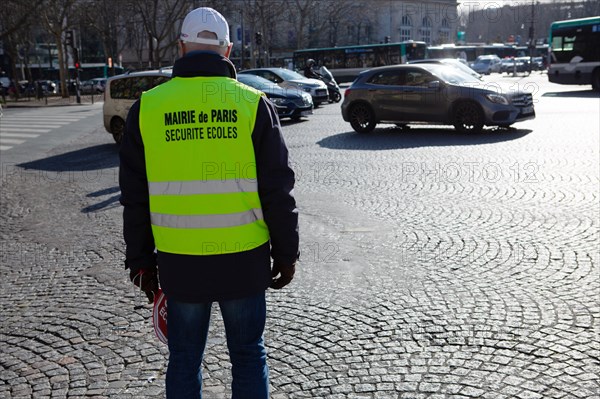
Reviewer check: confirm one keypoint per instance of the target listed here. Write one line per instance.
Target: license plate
(305, 113)
(527, 110)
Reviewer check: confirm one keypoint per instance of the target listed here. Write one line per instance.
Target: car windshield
(256, 81)
(484, 61)
(460, 66)
(286, 74)
(455, 76)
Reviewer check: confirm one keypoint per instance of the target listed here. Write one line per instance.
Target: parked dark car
(290, 103)
(290, 79)
(430, 93)
(516, 65)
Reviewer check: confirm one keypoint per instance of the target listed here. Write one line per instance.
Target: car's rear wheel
(468, 117)
(362, 118)
(117, 128)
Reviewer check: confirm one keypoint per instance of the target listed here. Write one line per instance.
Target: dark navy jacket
(190, 278)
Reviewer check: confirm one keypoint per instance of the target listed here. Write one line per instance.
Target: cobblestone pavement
(434, 265)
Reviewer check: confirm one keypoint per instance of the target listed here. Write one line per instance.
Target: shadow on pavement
(97, 157)
(105, 191)
(112, 202)
(109, 203)
(574, 93)
(396, 138)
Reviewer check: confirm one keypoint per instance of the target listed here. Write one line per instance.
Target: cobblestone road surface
(434, 265)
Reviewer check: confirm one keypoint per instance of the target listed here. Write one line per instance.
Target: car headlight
(279, 101)
(497, 98)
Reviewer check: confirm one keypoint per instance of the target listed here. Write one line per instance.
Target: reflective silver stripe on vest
(206, 221)
(202, 187)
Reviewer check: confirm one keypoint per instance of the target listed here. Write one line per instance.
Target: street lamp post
(243, 48)
(531, 36)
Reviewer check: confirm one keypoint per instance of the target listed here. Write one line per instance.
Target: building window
(444, 33)
(405, 28)
(426, 30)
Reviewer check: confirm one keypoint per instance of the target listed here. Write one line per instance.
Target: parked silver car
(430, 93)
(486, 64)
(290, 79)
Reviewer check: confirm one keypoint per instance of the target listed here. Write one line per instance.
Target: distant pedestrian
(205, 179)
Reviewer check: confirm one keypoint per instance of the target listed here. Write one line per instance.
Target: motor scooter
(333, 89)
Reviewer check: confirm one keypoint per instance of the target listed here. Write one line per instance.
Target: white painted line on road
(23, 130)
(4, 147)
(42, 120)
(46, 117)
(10, 141)
(29, 124)
(19, 135)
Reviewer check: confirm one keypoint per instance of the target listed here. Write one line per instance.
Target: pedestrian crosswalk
(18, 127)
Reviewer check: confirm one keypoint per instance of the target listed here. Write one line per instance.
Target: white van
(122, 91)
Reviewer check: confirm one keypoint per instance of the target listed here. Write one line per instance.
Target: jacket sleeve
(275, 184)
(137, 231)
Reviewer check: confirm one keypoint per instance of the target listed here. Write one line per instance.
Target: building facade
(433, 22)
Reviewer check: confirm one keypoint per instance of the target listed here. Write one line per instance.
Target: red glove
(285, 272)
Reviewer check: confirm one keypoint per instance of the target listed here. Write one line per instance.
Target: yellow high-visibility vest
(201, 167)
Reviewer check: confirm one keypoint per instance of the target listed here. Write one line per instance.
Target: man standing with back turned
(205, 180)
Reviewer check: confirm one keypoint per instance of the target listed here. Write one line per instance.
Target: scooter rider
(308, 70)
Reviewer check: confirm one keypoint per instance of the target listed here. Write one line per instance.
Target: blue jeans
(244, 321)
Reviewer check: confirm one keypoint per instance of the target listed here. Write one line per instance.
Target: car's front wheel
(468, 117)
(117, 128)
(362, 118)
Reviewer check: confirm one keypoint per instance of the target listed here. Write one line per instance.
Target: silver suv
(486, 64)
(430, 93)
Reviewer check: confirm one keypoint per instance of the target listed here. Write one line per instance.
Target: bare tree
(159, 19)
(490, 24)
(15, 14)
(15, 26)
(108, 19)
(54, 16)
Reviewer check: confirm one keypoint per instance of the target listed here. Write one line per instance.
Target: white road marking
(10, 141)
(31, 125)
(19, 135)
(24, 130)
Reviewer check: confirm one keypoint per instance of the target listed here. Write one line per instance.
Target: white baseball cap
(205, 19)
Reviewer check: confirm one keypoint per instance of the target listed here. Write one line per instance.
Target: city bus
(574, 52)
(470, 52)
(345, 63)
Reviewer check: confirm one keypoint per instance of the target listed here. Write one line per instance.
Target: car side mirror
(434, 85)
